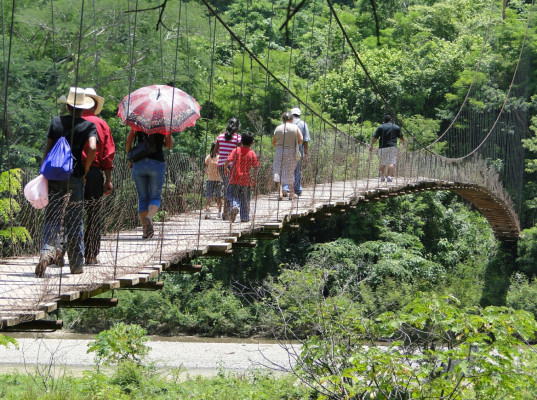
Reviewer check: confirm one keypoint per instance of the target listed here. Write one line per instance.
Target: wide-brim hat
(99, 101)
(296, 111)
(77, 99)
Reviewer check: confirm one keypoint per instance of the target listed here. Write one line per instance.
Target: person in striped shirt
(226, 142)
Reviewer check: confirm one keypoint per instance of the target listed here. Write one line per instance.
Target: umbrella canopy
(159, 109)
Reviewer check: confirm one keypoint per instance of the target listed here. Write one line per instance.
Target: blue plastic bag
(58, 165)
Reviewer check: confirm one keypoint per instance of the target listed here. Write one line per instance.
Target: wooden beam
(38, 325)
(188, 268)
(93, 302)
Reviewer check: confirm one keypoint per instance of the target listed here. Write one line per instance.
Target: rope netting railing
(339, 169)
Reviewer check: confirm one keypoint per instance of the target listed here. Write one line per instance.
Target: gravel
(192, 354)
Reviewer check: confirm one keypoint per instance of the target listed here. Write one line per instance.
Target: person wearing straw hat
(77, 131)
(96, 185)
(387, 135)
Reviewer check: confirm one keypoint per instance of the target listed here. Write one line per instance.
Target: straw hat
(77, 99)
(99, 101)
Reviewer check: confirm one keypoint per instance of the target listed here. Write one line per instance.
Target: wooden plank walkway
(127, 261)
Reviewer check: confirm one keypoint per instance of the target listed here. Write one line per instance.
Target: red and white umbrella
(159, 109)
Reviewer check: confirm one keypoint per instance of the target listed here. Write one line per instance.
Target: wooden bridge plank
(185, 237)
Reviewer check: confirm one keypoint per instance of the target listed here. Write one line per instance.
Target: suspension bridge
(339, 174)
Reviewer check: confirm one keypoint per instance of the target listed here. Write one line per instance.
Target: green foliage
(6, 341)
(527, 251)
(95, 385)
(119, 344)
(522, 293)
(10, 233)
(435, 349)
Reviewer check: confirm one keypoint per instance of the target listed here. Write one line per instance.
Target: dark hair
(213, 148)
(247, 138)
(232, 126)
(287, 116)
(387, 118)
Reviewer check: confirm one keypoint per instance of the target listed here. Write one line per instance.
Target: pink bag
(36, 192)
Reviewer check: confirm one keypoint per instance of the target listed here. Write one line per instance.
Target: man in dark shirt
(96, 185)
(77, 131)
(387, 135)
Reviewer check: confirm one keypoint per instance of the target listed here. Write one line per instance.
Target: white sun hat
(99, 101)
(77, 99)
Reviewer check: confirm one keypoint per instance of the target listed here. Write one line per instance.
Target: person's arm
(402, 138)
(300, 138)
(107, 189)
(48, 147)
(373, 143)
(206, 166)
(228, 160)
(256, 170)
(274, 141)
(168, 141)
(109, 151)
(92, 149)
(128, 141)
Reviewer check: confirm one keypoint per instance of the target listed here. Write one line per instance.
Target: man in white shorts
(387, 135)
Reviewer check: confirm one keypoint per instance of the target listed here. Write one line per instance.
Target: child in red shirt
(243, 159)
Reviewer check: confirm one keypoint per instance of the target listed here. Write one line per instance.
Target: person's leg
(207, 196)
(392, 156)
(391, 170)
(233, 194)
(141, 181)
(73, 225)
(225, 187)
(298, 178)
(93, 196)
(50, 238)
(156, 170)
(245, 203)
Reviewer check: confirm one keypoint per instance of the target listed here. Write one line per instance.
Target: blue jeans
(66, 204)
(240, 197)
(148, 176)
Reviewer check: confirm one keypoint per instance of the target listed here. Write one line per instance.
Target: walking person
(225, 143)
(213, 186)
(303, 148)
(148, 176)
(77, 131)
(97, 186)
(287, 137)
(387, 135)
(240, 183)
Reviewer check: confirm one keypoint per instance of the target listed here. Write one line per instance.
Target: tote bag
(36, 192)
(143, 149)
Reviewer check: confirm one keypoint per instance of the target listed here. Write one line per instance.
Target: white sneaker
(390, 179)
(207, 215)
(219, 215)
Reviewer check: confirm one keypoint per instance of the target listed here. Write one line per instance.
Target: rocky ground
(194, 355)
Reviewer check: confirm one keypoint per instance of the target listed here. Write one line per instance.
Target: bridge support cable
(184, 236)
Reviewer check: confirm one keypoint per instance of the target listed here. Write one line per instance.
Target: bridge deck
(126, 260)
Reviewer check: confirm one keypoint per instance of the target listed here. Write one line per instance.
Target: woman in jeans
(148, 175)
